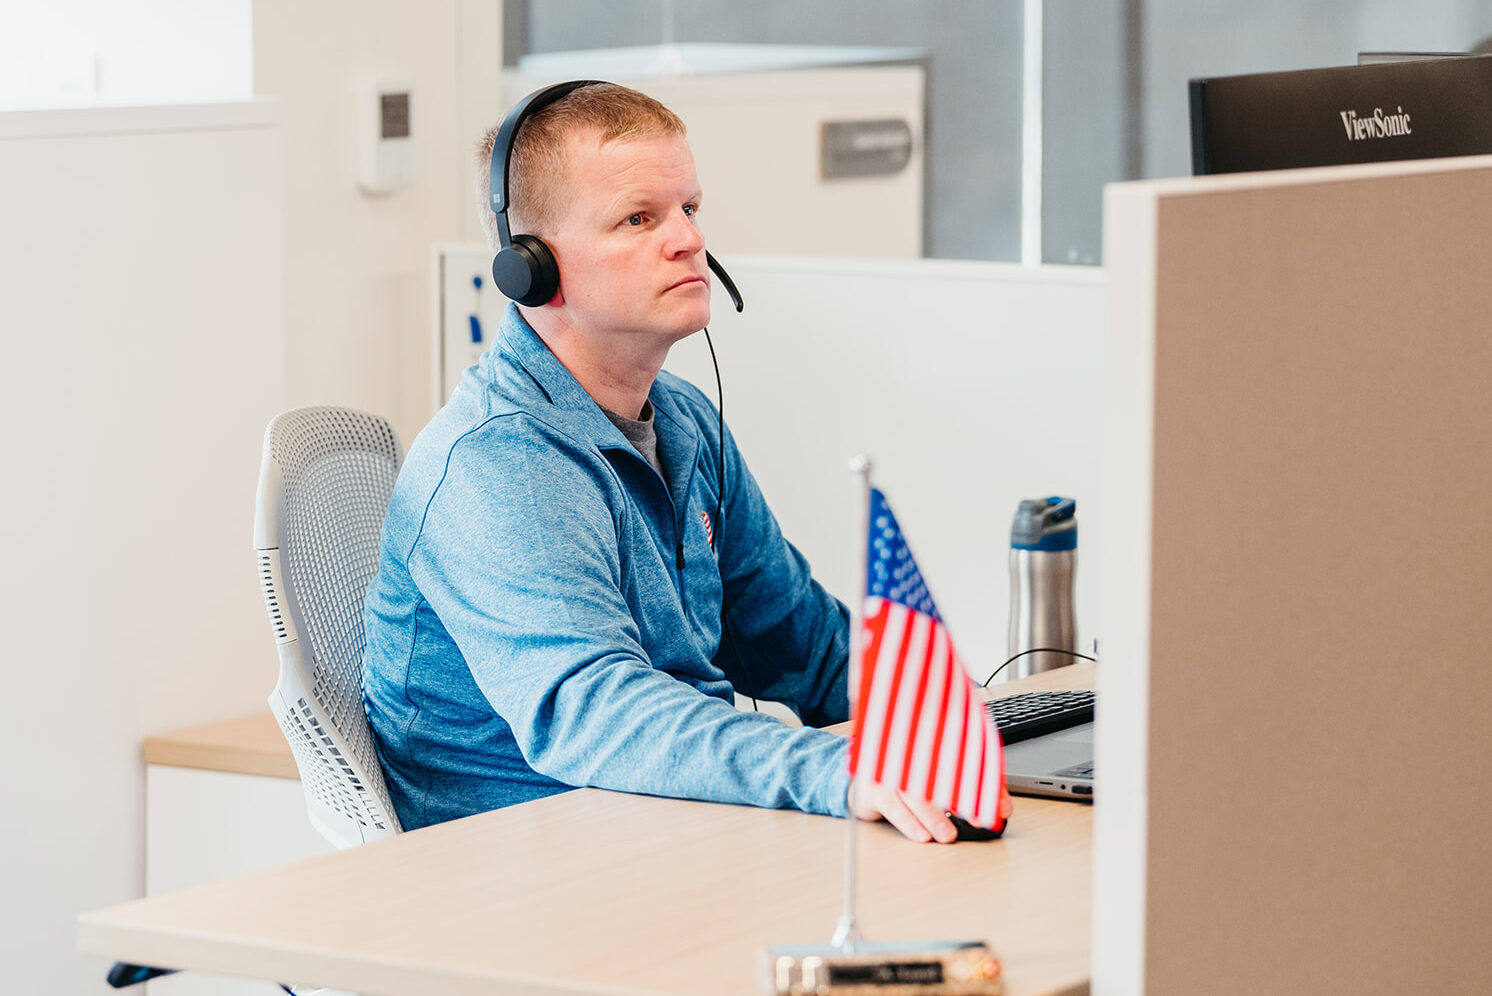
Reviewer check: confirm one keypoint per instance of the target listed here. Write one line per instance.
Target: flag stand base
(890, 968)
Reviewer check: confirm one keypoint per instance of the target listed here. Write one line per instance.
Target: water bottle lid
(1045, 524)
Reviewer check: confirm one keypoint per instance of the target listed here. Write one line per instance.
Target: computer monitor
(1418, 109)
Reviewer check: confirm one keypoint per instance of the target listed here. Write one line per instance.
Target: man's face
(631, 258)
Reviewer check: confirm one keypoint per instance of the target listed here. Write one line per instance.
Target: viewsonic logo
(1380, 125)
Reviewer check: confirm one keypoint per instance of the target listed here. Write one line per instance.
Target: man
(558, 603)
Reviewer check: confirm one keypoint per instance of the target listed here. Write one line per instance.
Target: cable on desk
(1036, 650)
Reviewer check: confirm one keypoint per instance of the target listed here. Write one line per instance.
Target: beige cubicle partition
(1300, 514)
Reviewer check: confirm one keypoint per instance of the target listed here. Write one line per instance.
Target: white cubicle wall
(971, 385)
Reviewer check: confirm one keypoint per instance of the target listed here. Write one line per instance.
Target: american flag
(920, 723)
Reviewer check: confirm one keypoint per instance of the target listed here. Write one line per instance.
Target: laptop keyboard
(1031, 714)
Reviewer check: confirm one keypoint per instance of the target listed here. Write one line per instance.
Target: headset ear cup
(545, 267)
(526, 271)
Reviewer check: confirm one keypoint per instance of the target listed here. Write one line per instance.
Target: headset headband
(502, 149)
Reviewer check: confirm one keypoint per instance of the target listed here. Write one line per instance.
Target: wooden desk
(249, 745)
(601, 892)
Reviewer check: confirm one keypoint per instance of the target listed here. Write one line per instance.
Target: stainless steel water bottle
(1043, 555)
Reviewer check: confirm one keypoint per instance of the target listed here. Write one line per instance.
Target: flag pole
(847, 933)
(813, 968)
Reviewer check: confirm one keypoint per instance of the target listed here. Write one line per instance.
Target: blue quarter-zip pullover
(547, 609)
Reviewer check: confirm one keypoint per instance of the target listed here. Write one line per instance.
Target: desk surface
(601, 892)
(249, 745)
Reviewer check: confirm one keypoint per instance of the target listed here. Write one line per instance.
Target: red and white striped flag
(920, 723)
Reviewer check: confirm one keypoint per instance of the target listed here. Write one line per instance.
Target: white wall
(140, 309)
(169, 279)
(357, 267)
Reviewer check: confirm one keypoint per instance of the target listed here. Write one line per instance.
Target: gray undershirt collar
(640, 433)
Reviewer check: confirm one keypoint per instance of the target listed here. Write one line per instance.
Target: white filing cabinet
(757, 117)
(221, 800)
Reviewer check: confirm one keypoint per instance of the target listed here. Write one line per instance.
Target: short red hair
(536, 172)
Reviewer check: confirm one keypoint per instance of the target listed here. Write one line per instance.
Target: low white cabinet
(221, 800)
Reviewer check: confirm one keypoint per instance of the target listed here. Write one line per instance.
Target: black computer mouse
(968, 831)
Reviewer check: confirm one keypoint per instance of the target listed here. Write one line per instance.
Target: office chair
(324, 486)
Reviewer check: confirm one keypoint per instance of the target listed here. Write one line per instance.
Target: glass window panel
(1114, 75)
(68, 53)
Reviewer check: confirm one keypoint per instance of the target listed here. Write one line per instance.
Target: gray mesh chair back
(324, 486)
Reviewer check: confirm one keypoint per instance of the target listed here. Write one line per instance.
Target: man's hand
(917, 819)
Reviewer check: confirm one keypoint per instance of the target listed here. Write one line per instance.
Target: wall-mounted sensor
(387, 155)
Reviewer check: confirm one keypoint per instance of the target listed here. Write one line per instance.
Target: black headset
(524, 268)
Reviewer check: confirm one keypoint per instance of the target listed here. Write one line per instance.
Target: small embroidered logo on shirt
(709, 530)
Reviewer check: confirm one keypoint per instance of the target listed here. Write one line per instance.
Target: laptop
(1048, 742)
